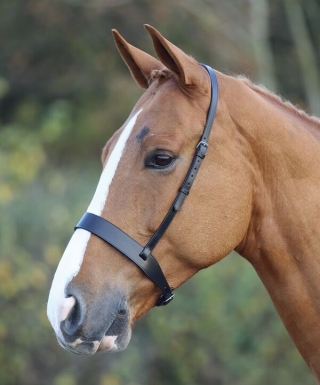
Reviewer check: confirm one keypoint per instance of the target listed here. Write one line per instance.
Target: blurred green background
(63, 91)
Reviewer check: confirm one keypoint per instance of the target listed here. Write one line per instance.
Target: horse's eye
(160, 160)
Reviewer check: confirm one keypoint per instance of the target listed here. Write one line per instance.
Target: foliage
(63, 92)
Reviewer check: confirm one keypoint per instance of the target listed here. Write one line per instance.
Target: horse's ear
(187, 68)
(139, 63)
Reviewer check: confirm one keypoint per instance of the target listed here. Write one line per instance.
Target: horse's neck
(283, 239)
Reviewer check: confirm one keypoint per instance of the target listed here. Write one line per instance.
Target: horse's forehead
(165, 109)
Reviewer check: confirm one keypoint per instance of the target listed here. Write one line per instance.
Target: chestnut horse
(257, 191)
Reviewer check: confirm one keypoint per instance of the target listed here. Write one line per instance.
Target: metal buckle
(164, 302)
(202, 149)
(168, 299)
(202, 143)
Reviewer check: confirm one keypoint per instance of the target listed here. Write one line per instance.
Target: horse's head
(97, 293)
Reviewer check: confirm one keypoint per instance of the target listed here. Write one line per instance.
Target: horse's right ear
(139, 63)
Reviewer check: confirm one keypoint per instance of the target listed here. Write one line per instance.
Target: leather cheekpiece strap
(199, 155)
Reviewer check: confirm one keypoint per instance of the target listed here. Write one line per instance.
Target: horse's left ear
(188, 69)
(139, 63)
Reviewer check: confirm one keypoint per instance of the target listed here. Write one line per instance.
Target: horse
(256, 192)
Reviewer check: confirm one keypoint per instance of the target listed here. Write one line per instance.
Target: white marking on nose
(72, 258)
(100, 196)
(68, 267)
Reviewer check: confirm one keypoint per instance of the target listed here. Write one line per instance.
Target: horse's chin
(108, 344)
(114, 343)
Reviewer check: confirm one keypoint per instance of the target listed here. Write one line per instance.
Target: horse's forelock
(160, 74)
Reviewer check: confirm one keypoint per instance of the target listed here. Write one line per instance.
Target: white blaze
(72, 258)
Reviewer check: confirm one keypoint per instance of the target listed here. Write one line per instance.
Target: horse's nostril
(122, 311)
(73, 318)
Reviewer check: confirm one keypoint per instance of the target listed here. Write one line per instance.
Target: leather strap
(128, 247)
(200, 154)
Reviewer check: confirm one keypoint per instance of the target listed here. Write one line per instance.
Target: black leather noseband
(141, 255)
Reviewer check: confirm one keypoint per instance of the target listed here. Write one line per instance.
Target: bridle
(141, 255)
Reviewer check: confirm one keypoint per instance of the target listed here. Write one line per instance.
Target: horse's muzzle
(89, 324)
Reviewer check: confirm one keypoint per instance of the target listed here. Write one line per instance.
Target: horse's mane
(260, 89)
(278, 99)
